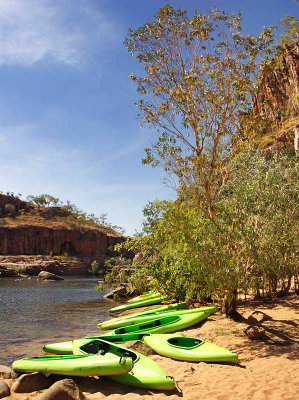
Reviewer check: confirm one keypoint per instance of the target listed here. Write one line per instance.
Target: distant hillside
(15, 213)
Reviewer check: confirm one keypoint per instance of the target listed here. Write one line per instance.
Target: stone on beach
(4, 389)
(66, 389)
(7, 372)
(27, 383)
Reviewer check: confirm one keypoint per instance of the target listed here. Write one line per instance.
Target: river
(34, 312)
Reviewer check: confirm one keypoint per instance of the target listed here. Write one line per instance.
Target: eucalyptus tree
(198, 75)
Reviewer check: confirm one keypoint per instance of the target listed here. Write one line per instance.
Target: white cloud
(67, 31)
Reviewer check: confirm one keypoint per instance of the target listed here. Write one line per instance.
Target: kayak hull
(67, 347)
(138, 319)
(164, 324)
(146, 373)
(167, 307)
(189, 349)
(139, 303)
(75, 365)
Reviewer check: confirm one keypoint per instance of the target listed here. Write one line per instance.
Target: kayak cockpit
(101, 347)
(185, 342)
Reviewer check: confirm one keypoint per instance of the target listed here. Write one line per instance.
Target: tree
(199, 73)
(44, 200)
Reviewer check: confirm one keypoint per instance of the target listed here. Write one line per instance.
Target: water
(34, 312)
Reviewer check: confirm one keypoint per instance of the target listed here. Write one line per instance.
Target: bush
(9, 210)
(251, 245)
(94, 268)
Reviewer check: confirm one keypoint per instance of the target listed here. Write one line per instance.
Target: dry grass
(69, 222)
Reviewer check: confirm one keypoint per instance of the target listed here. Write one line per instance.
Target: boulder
(48, 276)
(256, 333)
(31, 382)
(66, 389)
(4, 389)
(7, 272)
(112, 293)
(7, 372)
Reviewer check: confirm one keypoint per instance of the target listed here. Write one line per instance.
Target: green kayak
(146, 373)
(142, 296)
(77, 365)
(138, 319)
(67, 347)
(139, 303)
(189, 349)
(165, 324)
(167, 307)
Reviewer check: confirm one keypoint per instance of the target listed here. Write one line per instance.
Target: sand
(267, 369)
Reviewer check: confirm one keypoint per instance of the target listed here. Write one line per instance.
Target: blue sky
(68, 123)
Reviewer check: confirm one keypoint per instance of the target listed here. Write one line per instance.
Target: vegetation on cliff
(47, 211)
(233, 225)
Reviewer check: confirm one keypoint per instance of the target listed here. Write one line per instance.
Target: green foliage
(83, 217)
(119, 260)
(94, 268)
(9, 210)
(250, 245)
(291, 31)
(17, 268)
(44, 200)
(118, 270)
(199, 72)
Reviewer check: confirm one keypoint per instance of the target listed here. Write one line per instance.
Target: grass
(70, 222)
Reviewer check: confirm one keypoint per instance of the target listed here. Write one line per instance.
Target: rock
(113, 292)
(256, 333)
(44, 275)
(258, 316)
(30, 382)
(5, 271)
(7, 372)
(4, 389)
(37, 240)
(277, 84)
(65, 389)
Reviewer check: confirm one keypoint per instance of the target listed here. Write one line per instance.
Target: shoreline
(266, 368)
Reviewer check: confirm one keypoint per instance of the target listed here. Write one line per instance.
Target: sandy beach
(267, 369)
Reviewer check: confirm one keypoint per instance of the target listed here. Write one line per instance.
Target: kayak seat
(103, 348)
(127, 353)
(90, 348)
(121, 331)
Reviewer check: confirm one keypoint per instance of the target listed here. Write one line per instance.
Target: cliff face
(277, 99)
(279, 86)
(40, 240)
(26, 229)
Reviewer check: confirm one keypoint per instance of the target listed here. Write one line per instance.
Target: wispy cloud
(67, 31)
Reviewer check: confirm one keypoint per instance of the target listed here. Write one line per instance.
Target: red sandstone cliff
(41, 233)
(276, 99)
(42, 240)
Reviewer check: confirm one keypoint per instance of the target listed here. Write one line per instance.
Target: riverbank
(267, 369)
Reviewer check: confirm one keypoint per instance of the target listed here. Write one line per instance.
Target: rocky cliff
(276, 99)
(27, 230)
(42, 240)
